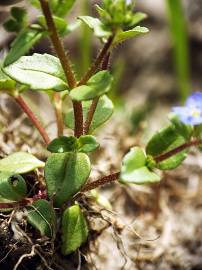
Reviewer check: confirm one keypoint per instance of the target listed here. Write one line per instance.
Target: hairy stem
(66, 64)
(58, 112)
(97, 61)
(58, 45)
(177, 150)
(78, 118)
(115, 176)
(90, 115)
(25, 107)
(100, 182)
(94, 103)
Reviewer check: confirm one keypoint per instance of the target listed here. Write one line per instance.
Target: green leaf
(63, 7)
(87, 143)
(41, 216)
(12, 186)
(60, 24)
(26, 39)
(5, 82)
(102, 113)
(96, 25)
(63, 144)
(74, 229)
(39, 71)
(197, 131)
(124, 35)
(19, 14)
(20, 162)
(119, 14)
(65, 174)
(182, 129)
(164, 141)
(161, 141)
(36, 4)
(138, 17)
(134, 169)
(98, 85)
(17, 21)
(103, 13)
(11, 26)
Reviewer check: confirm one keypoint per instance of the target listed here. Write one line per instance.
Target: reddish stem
(94, 103)
(177, 150)
(115, 176)
(58, 45)
(78, 118)
(66, 64)
(33, 118)
(97, 62)
(100, 182)
(90, 115)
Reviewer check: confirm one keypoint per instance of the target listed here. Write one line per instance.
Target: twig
(25, 107)
(66, 64)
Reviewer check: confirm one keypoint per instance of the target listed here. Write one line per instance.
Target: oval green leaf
(63, 7)
(124, 35)
(74, 229)
(164, 141)
(96, 26)
(63, 144)
(98, 85)
(134, 169)
(65, 174)
(87, 143)
(60, 24)
(12, 186)
(182, 129)
(20, 162)
(39, 71)
(25, 40)
(41, 216)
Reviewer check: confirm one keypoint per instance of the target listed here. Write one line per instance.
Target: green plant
(68, 166)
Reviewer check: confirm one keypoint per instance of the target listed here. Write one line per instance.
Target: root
(31, 254)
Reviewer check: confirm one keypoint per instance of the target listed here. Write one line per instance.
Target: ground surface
(148, 228)
(156, 227)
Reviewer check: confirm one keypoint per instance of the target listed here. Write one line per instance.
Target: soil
(148, 227)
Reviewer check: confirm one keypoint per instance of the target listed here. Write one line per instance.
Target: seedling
(54, 209)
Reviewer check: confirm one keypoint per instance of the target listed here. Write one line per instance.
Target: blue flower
(191, 113)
